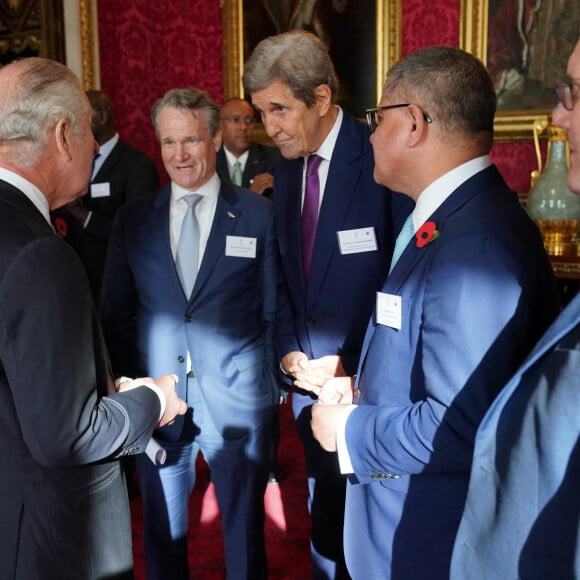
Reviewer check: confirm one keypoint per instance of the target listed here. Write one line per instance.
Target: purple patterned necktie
(310, 211)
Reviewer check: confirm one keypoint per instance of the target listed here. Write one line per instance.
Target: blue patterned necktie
(403, 239)
(237, 173)
(187, 256)
(310, 211)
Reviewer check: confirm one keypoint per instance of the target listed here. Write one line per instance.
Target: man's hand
(311, 375)
(324, 422)
(262, 182)
(173, 404)
(337, 391)
(290, 363)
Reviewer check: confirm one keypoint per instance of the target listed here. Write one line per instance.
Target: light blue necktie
(403, 239)
(237, 173)
(188, 247)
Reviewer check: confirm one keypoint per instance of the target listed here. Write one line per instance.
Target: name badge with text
(100, 190)
(356, 241)
(241, 247)
(389, 310)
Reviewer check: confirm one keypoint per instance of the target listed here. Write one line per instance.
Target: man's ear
(418, 127)
(323, 96)
(62, 138)
(217, 140)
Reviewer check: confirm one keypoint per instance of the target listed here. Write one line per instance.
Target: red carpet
(287, 521)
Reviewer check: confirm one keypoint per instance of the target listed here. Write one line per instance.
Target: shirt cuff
(341, 447)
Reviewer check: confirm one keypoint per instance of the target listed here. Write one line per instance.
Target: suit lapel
(227, 214)
(344, 175)
(110, 162)
(484, 180)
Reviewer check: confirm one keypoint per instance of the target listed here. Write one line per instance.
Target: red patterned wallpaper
(148, 47)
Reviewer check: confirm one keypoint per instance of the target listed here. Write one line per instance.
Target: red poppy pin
(426, 234)
(61, 226)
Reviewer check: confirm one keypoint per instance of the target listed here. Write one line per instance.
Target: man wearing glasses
(240, 160)
(469, 293)
(522, 515)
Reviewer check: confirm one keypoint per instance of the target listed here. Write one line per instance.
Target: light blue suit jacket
(226, 325)
(522, 515)
(473, 303)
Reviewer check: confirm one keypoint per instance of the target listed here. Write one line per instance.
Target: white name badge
(241, 247)
(100, 189)
(356, 241)
(389, 310)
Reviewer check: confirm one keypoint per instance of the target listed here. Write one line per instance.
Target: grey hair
(296, 58)
(451, 85)
(188, 99)
(47, 92)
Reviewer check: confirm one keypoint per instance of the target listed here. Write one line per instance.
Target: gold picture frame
(387, 50)
(513, 125)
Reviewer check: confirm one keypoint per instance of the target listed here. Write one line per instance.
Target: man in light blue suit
(216, 336)
(522, 514)
(323, 308)
(470, 294)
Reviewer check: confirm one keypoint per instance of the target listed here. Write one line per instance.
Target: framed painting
(361, 66)
(525, 45)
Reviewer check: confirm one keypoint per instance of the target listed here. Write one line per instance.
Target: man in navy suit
(64, 510)
(257, 162)
(210, 324)
(323, 307)
(522, 514)
(470, 294)
(120, 174)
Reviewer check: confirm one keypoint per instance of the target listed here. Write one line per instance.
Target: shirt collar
(209, 189)
(432, 197)
(327, 147)
(29, 190)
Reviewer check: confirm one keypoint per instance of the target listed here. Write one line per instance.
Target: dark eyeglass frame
(236, 119)
(372, 118)
(565, 91)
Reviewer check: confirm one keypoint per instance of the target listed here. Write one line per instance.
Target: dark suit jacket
(473, 302)
(130, 174)
(329, 316)
(226, 324)
(522, 514)
(261, 159)
(64, 511)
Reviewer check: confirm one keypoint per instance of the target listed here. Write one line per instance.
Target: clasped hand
(166, 383)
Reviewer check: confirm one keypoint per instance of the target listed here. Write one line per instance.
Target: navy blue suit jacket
(522, 514)
(225, 325)
(329, 316)
(473, 302)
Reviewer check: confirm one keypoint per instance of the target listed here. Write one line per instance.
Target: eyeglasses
(236, 119)
(374, 115)
(565, 92)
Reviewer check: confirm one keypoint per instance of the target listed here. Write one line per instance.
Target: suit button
(312, 320)
(356, 393)
(180, 359)
(187, 318)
